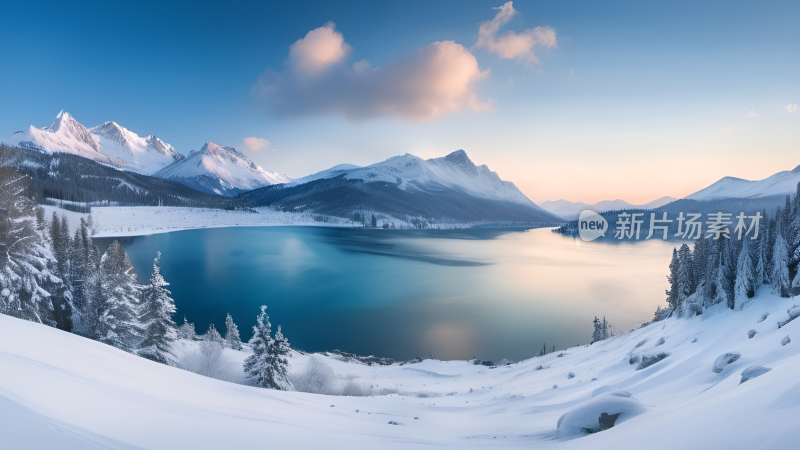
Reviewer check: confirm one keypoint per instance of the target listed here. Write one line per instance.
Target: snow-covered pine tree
(598, 330)
(114, 301)
(186, 331)
(280, 350)
(723, 280)
(232, 334)
(157, 310)
(262, 366)
(759, 261)
(27, 262)
(685, 274)
(766, 247)
(711, 272)
(212, 335)
(605, 328)
(699, 261)
(779, 273)
(744, 286)
(672, 293)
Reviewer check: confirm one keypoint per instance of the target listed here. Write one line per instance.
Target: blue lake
(457, 294)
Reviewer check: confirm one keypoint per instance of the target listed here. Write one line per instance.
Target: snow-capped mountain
(220, 170)
(781, 183)
(108, 143)
(408, 188)
(570, 210)
(412, 173)
(147, 155)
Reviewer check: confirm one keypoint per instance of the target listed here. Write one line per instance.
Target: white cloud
(320, 49)
(791, 107)
(751, 113)
(435, 80)
(513, 45)
(254, 143)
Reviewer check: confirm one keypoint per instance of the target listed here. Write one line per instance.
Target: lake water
(457, 294)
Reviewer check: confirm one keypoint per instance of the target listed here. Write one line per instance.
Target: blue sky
(630, 100)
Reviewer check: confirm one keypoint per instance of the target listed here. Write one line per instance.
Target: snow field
(59, 390)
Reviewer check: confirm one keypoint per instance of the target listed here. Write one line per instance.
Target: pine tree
(724, 276)
(598, 330)
(114, 301)
(743, 289)
(265, 365)
(684, 276)
(158, 308)
(672, 293)
(186, 331)
(212, 335)
(280, 351)
(605, 329)
(779, 273)
(699, 261)
(232, 334)
(27, 263)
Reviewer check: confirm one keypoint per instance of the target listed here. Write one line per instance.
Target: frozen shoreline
(123, 221)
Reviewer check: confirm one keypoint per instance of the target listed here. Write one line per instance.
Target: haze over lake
(457, 294)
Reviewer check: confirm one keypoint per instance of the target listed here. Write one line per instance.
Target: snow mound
(598, 415)
(724, 360)
(786, 340)
(754, 371)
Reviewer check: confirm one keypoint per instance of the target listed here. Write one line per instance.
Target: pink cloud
(437, 79)
(320, 49)
(513, 45)
(254, 143)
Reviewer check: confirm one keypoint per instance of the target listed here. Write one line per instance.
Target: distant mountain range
(570, 210)
(782, 183)
(214, 169)
(68, 161)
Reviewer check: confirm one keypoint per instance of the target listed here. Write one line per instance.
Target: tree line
(729, 270)
(50, 275)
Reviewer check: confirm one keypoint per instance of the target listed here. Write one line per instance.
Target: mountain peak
(460, 159)
(62, 119)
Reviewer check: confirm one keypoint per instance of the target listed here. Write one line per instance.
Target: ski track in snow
(58, 390)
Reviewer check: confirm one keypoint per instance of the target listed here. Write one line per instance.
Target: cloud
(254, 143)
(435, 80)
(319, 50)
(751, 113)
(513, 45)
(791, 107)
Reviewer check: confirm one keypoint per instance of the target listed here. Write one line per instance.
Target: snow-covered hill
(570, 210)
(781, 183)
(220, 170)
(59, 390)
(412, 173)
(108, 143)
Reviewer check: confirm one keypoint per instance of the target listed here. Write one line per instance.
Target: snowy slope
(570, 210)
(108, 143)
(220, 170)
(411, 173)
(781, 183)
(59, 390)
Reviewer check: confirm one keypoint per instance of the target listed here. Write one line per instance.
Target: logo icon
(591, 225)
